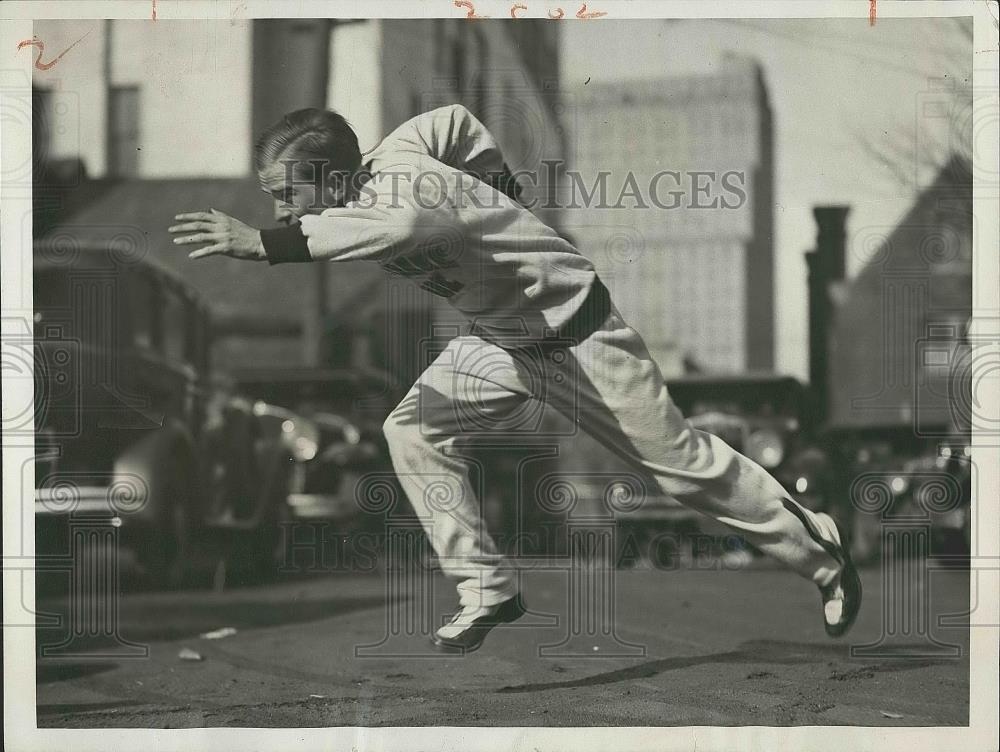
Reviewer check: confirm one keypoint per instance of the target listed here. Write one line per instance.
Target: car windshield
(69, 305)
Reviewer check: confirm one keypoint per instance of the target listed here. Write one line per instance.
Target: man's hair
(309, 134)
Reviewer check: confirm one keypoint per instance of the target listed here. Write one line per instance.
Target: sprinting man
(435, 202)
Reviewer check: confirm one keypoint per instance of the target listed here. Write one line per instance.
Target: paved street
(700, 647)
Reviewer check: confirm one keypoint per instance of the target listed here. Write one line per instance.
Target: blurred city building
(691, 266)
(899, 353)
(161, 118)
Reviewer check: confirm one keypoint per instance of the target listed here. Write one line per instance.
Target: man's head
(306, 161)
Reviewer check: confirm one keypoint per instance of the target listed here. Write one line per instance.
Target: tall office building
(684, 233)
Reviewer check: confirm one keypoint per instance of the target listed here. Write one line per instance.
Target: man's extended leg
(614, 390)
(620, 397)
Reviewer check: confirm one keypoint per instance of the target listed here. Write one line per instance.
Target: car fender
(165, 460)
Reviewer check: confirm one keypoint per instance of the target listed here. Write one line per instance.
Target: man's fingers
(212, 250)
(205, 216)
(193, 227)
(201, 237)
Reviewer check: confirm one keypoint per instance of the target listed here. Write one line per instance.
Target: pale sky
(828, 80)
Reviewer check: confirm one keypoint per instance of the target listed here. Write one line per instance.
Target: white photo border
(20, 732)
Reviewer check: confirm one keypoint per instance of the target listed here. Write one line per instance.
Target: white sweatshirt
(426, 214)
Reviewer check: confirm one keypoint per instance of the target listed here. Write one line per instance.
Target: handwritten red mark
(583, 13)
(36, 42)
(471, 14)
(872, 12)
(468, 6)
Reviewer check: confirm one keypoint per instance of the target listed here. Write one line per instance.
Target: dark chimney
(291, 63)
(826, 266)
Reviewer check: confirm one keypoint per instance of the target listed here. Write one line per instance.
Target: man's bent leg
(471, 385)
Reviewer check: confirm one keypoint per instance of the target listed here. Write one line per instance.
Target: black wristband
(283, 245)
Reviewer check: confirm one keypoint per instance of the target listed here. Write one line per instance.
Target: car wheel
(272, 548)
(272, 552)
(165, 555)
(257, 553)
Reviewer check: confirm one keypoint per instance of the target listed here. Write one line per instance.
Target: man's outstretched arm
(338, 235)
(393, 223)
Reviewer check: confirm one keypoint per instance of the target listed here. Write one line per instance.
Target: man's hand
(225, 236)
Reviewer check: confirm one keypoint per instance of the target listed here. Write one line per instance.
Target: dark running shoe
(842, 597)
(469, 627)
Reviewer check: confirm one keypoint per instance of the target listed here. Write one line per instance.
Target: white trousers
(610, 386)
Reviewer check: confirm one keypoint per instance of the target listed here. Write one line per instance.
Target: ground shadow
(753, 652)
(83, 707)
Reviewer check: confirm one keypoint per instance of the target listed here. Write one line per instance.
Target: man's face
(302, 197)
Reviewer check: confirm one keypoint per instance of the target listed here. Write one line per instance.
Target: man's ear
(335, 186)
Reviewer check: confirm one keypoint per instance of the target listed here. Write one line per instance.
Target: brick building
(899, 356)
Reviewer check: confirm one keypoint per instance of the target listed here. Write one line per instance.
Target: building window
(440, 47)
(123, 131)
(176, 329)
(944, 345)
(482, 77)
(459, 66)
(144, 311)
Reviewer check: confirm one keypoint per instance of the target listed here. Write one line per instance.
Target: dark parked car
(333, 418)
(130, 426)
(895, 477)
